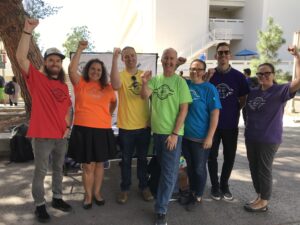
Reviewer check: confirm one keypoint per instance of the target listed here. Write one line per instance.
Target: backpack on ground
(9, 88)
(154, 174)
(20, 145)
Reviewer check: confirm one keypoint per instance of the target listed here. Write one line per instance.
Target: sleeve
(184, 92)
(285, 92)
(244, 86)
(214, 99)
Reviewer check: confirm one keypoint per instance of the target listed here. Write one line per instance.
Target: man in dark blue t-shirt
(233, 89)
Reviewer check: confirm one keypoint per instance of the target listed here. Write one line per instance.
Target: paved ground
(16, 206)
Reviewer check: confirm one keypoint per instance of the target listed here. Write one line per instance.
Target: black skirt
(91, 144)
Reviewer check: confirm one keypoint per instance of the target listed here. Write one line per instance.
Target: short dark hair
(201, 61)
(103, 79)
(222, 44)
(269, 65)
(247, 71)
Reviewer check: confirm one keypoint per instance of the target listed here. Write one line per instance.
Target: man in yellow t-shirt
(133, 122)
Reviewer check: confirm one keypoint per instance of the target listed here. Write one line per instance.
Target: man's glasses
(226, 52)
(135, 84)
(265, 74)
(196, 70)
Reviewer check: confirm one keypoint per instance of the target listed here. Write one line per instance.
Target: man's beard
(52, 73)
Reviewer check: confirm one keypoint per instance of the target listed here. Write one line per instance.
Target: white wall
(181, 25)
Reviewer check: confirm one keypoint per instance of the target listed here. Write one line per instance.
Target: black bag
(20, 146)
(154, 172)
(9, 88)
(2, 82)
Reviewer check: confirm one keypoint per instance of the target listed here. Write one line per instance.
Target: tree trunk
(12, 17)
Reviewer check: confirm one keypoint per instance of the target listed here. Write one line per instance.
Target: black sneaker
(215, 193)
(60, 204)
(160, 219)
(192, 203)
(227, 194)
(174, 197)
(41, 214)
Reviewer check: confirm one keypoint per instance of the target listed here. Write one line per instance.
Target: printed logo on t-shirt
(59, 94)
(135, 88)
(256, 103)
(224, 90)
(95, 92)
(163, 92)
(195, 94)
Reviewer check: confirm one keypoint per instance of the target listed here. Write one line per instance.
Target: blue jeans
(169, 164)
(196, 158)
(131, 141)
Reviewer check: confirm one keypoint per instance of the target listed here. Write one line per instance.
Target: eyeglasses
(226, 52)
(196, 70)
(265, 74)
(135, 84)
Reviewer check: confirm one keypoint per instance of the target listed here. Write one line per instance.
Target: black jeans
(134, 141)
(260, 157)
(229, 140)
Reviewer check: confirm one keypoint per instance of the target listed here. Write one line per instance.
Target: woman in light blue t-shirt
(200, 126)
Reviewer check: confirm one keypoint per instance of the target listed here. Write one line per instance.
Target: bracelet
(174, 133)
(25, 32)
(68, 127)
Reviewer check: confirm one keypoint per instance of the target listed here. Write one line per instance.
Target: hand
(210, 73)
(293, 50)
(180, 61)
(67, 133)
(82, 45)
(171, 142)
(207, 143)
(116, 52)
(30, 24)
(146, 76)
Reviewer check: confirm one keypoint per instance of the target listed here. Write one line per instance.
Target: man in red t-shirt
(49, 120)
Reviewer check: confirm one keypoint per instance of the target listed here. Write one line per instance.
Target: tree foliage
(269, 41)
(39, 9)
(77, 34)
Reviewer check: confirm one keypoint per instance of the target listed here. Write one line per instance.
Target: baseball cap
(53, 51)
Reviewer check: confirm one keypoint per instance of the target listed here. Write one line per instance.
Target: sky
(100, 16)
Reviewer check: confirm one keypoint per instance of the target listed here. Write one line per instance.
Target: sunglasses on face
(265, 74)
(196, 70)
(226, 52)
(134, 81)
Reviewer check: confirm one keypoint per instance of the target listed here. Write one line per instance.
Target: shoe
(248, 208)
(253, 201)
(147, 195)
(175, 197)
(184, 197)
(122, 197)
(227, 194)
(41, 214)
(60, 204)
(87, 205)
(192, 204)
(160, 219)
(99, 202)
(215, 193)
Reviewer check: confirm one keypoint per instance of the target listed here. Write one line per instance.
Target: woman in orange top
(92, 140)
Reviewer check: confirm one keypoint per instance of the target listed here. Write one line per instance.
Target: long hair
(103, 81)
(61, 76)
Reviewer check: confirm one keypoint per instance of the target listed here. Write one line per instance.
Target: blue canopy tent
(245, 52)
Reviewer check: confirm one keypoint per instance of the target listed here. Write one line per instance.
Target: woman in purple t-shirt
(263, 132)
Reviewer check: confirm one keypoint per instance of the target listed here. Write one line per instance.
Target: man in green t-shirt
(170, 98)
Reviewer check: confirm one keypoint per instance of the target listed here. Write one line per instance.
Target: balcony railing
(232, 27)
